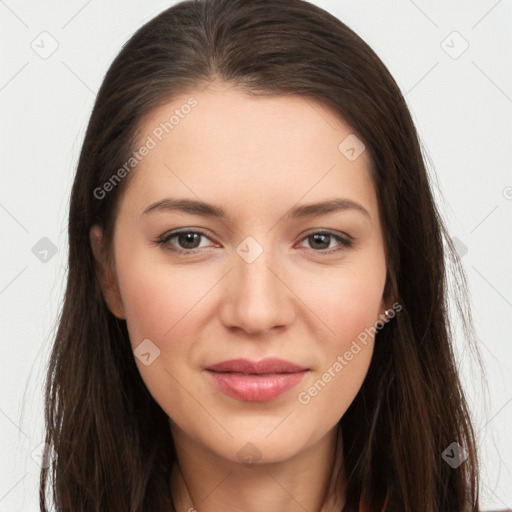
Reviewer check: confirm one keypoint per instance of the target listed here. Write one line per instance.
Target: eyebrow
(196, 207)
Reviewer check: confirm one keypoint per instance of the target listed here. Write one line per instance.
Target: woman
(255, 370)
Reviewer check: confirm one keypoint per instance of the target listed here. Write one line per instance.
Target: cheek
(162, 305)
(165, 304)
(345, 358)
(159, 302)
(347, 303)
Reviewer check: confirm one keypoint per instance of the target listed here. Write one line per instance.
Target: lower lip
(255, 388)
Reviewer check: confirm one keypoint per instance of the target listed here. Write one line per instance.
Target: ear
(388, 301)
(106, 274)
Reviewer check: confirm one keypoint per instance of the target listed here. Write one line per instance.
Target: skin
(256, 158)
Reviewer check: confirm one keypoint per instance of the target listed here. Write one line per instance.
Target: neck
(204, 482)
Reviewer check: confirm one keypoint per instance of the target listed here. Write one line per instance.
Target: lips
(255, 381)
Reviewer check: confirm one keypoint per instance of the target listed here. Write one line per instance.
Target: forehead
(225, 143)
(223, 114)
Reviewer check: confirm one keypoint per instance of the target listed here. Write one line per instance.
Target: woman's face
(267, 277)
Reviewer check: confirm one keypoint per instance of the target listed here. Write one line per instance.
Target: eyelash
(345, 243)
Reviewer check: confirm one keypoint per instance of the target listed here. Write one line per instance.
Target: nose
(258, 297)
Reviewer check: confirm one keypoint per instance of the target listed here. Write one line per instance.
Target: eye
(322, 240)
(187, 239)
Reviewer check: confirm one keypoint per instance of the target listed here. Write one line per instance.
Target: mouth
(255, 381)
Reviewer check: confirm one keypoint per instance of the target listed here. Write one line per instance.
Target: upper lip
(268, 365)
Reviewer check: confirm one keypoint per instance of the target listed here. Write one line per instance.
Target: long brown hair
(114, 450)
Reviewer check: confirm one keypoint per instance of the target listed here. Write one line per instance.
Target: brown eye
(321, 241)
(187, 241)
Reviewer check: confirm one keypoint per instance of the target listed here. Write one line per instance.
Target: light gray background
(462, 106)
